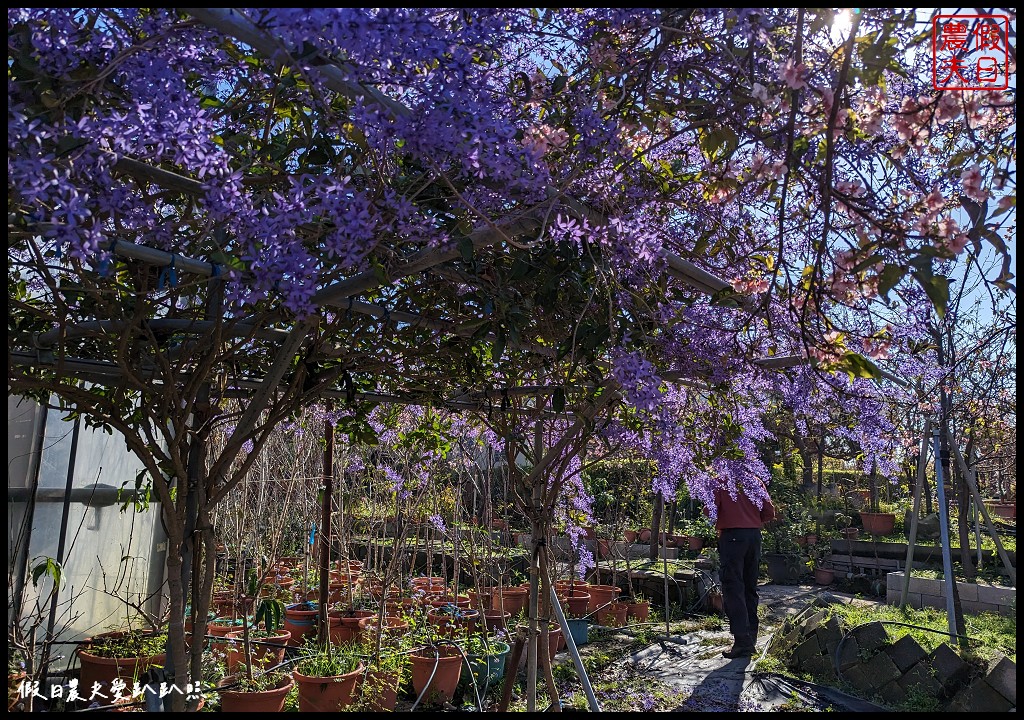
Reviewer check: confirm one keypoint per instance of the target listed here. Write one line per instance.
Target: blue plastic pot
(486, 670)
(579, 629)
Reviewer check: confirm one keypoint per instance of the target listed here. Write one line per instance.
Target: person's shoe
(738, 651)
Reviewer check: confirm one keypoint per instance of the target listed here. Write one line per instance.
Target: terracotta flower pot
(327, 694)
(104, 670)
(393, 627)
(448, 663)
(695, 543)
(850, 533)
(510, 599)
(263, 656)
(824, 576)
(576, 602)
(601, 595)
(255, 701)
(638, 611)
(555, 641)
(645, 535)
(614, 615)
(344, 624)
(380, 690)
(481, 597)
(496, 620)
(630, 535)
(878, 523)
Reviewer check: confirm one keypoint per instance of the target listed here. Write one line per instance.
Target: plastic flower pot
(393, 627)
(510, 599)
(576, 602)
(344, 624)
(824, 576)
(638, 611)
(601, 595)
(613, 615)
(878, 523)
(555, 641)
(255, 701)
(104, 670)
(435, 673)
(485, 670)
(579, 630)
(264, 656)
(380, 690)
(496, 620)
(327, 694)
(300, 620)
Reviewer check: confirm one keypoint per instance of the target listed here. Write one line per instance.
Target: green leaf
(498, 346)
(858, 366)
(47, 566)
(720, 143)
(466, 248)
(937, 289)
(890, 275)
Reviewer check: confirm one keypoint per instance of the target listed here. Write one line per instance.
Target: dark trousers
(739, 550)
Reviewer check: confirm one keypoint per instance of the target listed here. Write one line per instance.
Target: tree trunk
(176, 625)
(656, 515)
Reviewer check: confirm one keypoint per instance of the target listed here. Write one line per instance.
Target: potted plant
(878, 522)
(261, 687)
(124, 655)
(327, 676)
(844, 525)
(485, 662)
(638, 609)
(782, 561)
(384, 675)
(822, 569)
(436, 670)
(255, 692)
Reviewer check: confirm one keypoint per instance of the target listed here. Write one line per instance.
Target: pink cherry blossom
(972, 178)
(794, 74)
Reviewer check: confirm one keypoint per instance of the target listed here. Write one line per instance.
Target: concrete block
(809, 648)
(927, 586)
(872, 637)
(818, 666)
(893, 693)
(1002, 676)
(933, 601)
(979, 697)
(880, 670)
(809, 625)
(849, 654)
(968, 591)
(906, 652)
(829, 636)
(950, 670)
(974, 607)
(920, 679)
(857, 676)
(996, 594)
(914, 600)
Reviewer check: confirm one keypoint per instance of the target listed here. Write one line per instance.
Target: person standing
(739, 521)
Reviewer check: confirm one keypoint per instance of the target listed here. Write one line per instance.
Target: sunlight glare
(841, 24)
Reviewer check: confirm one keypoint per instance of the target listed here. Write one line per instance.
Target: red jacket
(741, 512)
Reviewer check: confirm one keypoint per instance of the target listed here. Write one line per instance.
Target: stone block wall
(894, 672)
(974, 597)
